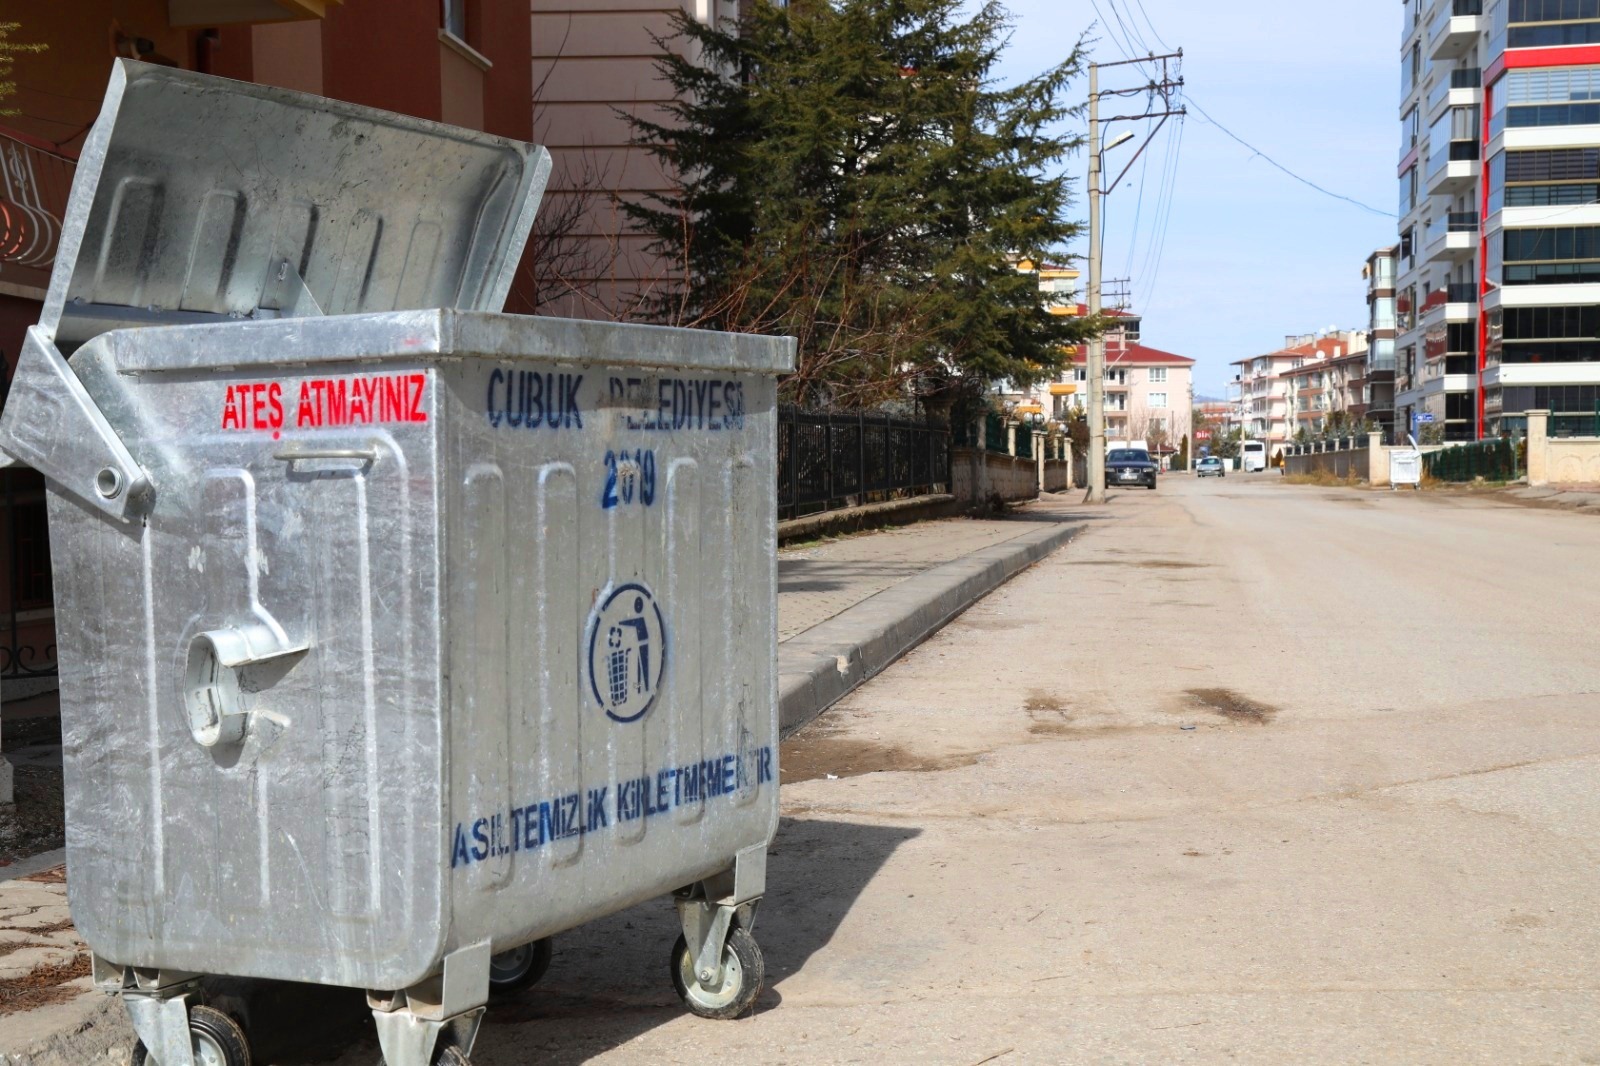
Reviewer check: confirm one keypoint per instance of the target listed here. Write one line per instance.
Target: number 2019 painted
(629, 476)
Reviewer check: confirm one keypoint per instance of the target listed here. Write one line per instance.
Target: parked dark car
(1127, 466)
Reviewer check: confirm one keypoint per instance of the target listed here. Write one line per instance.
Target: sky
(1250, 255)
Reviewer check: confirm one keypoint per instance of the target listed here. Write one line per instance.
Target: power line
(1304, 181)
(1138, 211)
(1156, 244)
(1155, 32)
(1132, 34)
(1127, 52)
(1166, 221)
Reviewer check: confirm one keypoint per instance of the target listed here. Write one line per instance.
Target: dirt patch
(995, 625)
(36, 821)
(1143, 564)
(28, 732)
(56, 875)
(822, 752)
(42, 987)
(1319, 478)
(1232, 706)
(1047, 714)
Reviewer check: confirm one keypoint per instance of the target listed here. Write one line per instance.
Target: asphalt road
(1376, 844)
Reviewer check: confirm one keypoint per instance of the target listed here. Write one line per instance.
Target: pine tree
(9, 50)
(851, 173)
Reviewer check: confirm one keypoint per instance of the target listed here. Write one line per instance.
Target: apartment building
(1378, 401)
(1498, 294)
(594, 67)
(1149, 393)
(1300, 385)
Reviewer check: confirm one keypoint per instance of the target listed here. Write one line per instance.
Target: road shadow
(609, 982)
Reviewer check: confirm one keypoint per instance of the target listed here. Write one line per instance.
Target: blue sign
(627, 652)
(1424, 417)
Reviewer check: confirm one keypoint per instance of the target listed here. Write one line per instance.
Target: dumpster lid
(199, 199)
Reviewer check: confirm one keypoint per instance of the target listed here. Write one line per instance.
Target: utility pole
(1097, 352)
(1116, 293)
(1164, 88)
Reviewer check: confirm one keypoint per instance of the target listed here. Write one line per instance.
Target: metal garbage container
(396, 635)
(1405, 467)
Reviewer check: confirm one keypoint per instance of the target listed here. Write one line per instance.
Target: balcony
(1463, 88)
(1457, 303)
(1455, 29)
(1454, 171)
(1453, 236)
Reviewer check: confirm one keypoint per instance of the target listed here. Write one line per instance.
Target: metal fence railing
(27, 648)
(1492, 460)
(1570, 425)
(832, 459)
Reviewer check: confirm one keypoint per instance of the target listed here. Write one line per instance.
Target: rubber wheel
(218, 1041)
(743, 973)
(521, 967)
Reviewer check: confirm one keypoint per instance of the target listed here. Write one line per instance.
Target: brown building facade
(465, 62)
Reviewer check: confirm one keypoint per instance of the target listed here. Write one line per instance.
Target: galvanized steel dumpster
(396, 635)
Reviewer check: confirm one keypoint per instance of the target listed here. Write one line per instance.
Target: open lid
(197, 197)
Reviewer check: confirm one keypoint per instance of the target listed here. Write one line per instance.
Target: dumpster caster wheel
(522, 967)
(218, 1041)
(743, 971)
(445, 1056)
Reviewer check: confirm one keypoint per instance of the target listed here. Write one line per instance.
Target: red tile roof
(1139, 355)
(1320, 349)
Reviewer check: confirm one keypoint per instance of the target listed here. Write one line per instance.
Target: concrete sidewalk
(847, 608)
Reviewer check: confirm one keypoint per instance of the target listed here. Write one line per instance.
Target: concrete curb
(45, 860)
(819, 667)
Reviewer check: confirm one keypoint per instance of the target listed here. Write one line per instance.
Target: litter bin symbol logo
(627, 652)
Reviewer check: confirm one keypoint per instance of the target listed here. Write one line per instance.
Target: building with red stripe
(1498, 288)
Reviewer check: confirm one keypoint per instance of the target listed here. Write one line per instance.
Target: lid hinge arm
(52, 424)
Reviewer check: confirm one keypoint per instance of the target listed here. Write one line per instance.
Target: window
(1564, 255)
(1554, 12)
(455, 18)
(1383, 313)
(1158, 399)
(1158, 375)
(1556, 96)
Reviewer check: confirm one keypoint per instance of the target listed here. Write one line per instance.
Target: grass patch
(1324, 479)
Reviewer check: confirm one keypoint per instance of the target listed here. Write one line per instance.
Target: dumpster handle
(369, 455)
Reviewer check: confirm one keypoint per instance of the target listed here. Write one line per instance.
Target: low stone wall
(1560, 460)
(977, 476)
(1350, 463)
(1057, 475)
